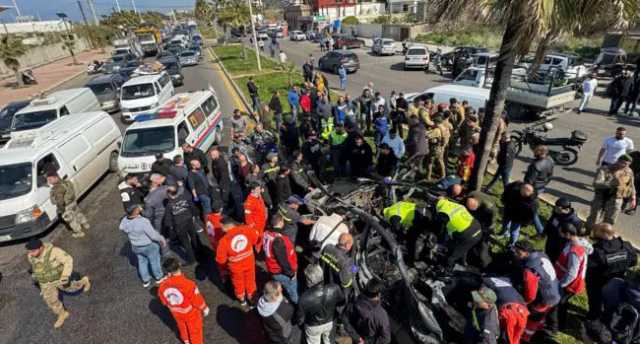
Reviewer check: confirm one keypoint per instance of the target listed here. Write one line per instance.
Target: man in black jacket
(277, 313)
(276, 106)
(506, 155)
(612, 257)
(131, 191)
(317, 306)
(562, 213)
(365, 320)
(253, 93)
(540, 170)
(307, 70)
(162, 165)
(190, 153)
(220, 175)
(178, 214)
(619, 89)
(520, 206)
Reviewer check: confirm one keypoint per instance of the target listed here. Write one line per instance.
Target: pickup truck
(570, 64)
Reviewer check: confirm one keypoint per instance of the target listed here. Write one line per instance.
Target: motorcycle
(437, 60)
(535, 135)
(28, 78)
(94, 67)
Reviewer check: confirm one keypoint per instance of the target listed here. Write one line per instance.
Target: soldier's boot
(78, 234)
(61, 318)
(86, 283)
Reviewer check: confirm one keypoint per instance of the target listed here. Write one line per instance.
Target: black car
(128, 68)
(6, 116)
(174, 69)
(332, 60)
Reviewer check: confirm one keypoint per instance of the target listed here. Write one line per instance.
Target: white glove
(205, 312)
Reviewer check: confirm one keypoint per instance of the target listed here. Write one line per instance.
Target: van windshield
(33, 120)
(137, 91)
(100, 89)
(15, 180)
(148, 141)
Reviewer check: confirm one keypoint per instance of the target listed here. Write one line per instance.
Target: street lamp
(253, 32)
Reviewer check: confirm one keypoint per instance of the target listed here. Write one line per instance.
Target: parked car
(344, 41)
(188, 58)
(128, 68)
(297, 35)
(466, 50)
(107, 90)
(174, 69)
(196, 49)
(122, 59)
(6, 116)
(333, 59)
(417, 56)
(383, 46)
(610, 62)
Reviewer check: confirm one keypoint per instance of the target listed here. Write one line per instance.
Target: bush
(350, 20)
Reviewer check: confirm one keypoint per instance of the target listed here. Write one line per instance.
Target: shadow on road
(126, 252)
(570, 197)
(244, 327)
(587, 173)
(162, 312)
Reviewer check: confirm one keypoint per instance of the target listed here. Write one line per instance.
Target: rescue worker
(483, 326)
(408, 220)
(541, 290)
(214, 224)
(571, 268)
(187, 306)
(512, 310)
(131, 191)
(312, 153)
(562, 213)
(436, 150)
(337, 138)
(234, 256)
(484, 209)
(338, 266)
(270, 171)
(63, 196)
(51, 268)
(463, 232)
(301, 182)
(255, 211)
(291, 216)
(283, 185)
(612, 184)
(280, 257)
(611, 258)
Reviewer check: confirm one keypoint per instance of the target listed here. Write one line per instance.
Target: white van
(476, 96)
(145, 94)
(56, 105)
(81, 147)
(194, 118)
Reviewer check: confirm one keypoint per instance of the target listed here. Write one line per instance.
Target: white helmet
(547, 126)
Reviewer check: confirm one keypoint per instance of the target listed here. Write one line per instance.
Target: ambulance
(194, 118)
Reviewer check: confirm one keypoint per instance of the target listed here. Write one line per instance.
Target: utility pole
(118, 6)
(93, 12)
(15, 5)
(255, 40)
(135, 9)
(86, 23)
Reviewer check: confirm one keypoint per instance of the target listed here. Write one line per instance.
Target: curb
(235, 86)
(64, 81)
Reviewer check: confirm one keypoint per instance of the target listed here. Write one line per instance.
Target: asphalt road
(117, 309)
(574, 182)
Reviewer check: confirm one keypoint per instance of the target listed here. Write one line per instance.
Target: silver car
(188, 58)
(383, 46)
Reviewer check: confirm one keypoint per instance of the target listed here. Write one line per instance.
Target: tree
(350, 20)
(203, 12)
(69, 43)
(234, 13)
(11, 49)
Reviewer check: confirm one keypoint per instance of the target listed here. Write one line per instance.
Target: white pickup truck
(570, 64)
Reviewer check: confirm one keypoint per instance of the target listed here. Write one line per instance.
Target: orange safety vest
(181, 296)
(561, 267)
(255, 213)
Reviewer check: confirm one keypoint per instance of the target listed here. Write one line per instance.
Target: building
(35, 27)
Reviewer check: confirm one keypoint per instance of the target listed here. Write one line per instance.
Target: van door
(76, 154)
(103, 135)
(166, 87)
(183, 133)
(211, 110)
(198, 123)
(42, 195)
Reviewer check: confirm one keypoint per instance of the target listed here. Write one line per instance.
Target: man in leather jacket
(540, 170)
(365, 320)
(317, 306)
(612, 257)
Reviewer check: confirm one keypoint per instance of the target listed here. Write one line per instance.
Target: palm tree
(203, 12)
(523, 20)
(11, 48)
(234, 13)
(69, 43)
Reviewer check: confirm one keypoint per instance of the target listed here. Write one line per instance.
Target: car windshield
(33, 120)
(187, 54)
(99, 89)
(137, 91)
(15, 180)
(6, 115)
(387, 42)
(149, 141)
(416, 52)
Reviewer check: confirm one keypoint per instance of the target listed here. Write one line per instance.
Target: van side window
(209, 106)
(156, 87)
(64, 111)
(45, 165)
(196, 118)
(183, 132)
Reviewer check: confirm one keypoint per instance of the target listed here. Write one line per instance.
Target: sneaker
(146, 284)
(243, 303)
(160, 280)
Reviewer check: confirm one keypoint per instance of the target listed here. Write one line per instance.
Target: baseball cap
(563, 202)
(132, 207)
(626, 157)
(295, 199)
(484, 294)
(33, 244)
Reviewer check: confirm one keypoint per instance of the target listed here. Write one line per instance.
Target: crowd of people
(250, 200)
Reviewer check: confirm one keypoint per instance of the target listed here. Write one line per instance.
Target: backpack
(624, 324)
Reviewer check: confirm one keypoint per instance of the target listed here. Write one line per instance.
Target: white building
(35, 26)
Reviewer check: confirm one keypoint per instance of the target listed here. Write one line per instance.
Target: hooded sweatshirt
(276, 319)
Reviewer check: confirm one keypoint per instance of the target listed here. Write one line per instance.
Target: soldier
(612, 185)
(63, 197)
(436, 149)
(51, 267)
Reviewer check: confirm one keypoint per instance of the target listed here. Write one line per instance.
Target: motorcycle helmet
(547, 126)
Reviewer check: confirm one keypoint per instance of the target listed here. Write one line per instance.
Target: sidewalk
(49, 76)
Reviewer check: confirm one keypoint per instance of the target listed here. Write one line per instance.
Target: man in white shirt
(589, 87)
(614, 147)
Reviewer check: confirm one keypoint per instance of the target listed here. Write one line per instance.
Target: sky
(47, 9)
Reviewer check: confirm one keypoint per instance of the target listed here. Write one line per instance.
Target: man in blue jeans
(520, 209)
(198, 184)
(505, 157)
(145, 244)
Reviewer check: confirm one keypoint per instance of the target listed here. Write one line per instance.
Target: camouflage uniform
(436, 152)
(612, 185)
(63, 197)
(447, 131)
(52, 270)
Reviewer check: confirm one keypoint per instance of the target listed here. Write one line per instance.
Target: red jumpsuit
(235, 253)
(255, 215)
(186, 304)
(214, 229)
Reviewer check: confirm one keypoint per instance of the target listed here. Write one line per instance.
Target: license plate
(5, 237)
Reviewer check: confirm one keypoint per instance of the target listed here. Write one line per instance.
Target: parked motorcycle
(94, 67)
(563, 150)
(437, 60)
(28, 78)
